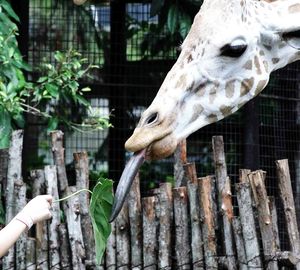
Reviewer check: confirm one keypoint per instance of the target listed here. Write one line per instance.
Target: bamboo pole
(81, 163)
(181, 218)
(135, 218)
(72, 212)
(59, 160)
(248, 225)
(123, 239)
(264, 218)
(286, 195)
(239, 242)
(14, 173)
(110, 258)
(224, 199)
(206, 186)
(150, 233)
(179, 160)
(195, 219)
(165, 217)
(31, 254)
(54, 244)
(20, 198)
(38, 187)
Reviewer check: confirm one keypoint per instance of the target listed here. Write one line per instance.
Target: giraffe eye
(232, 50)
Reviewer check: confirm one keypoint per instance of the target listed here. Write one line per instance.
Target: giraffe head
(225, 61)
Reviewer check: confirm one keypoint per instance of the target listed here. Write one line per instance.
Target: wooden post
(286, 195)
(59, 159)
(123, 239)
(264, 218)
(150, 233)
(179, 160)
(181, 218)
(38, 187)
(20, 198)
(72, 213)
(195, 219)
(81, 163)
(65, 251)
(54, 244)
(165, 217)
(224, 199)
(110, 258)
(239, 242)
(248, 225)
(274, 217)
(14, 173)
(30, 254)
(136, 228)
(3, 170)
(206, 186)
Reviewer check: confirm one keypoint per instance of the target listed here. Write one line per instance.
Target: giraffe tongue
(126, 180)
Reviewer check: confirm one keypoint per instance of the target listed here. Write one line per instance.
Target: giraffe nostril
(152, 119)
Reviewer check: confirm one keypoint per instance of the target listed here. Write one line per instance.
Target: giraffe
(225, 61)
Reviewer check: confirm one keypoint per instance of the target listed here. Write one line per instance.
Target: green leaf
(83, 101)
(52, 89)
(52, 124)
(5, 128)
(9, 10)
(100, 210)
(185, 23)
(173, 17)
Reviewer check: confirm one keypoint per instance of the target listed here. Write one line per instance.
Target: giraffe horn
(125, 182)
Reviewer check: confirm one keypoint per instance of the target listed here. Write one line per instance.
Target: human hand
(38, 209)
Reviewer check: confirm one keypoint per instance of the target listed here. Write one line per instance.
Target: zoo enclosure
(265, 130)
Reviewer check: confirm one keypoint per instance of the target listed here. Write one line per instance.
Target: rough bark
(206, 186)
(14, 174)
(150, 233)
(72, 212)
(264, 218)
(30, 254)
(82, 182)
(136, 228)
(110, 258)
(54, 244)
(179, 160)
(20, 198)
(286, 195)
(224, 199)
(123, 239)
(239, 242)
(3, 170)
(181, 218)
(65, 254)
(165, 217)
(248, 225)
(39, 187)
(59, 159)
(274, 217)
(195, 219)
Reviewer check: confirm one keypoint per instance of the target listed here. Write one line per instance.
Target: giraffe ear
(292, 38)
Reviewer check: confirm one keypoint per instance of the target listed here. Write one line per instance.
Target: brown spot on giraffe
(268, 47)
(257, 65)
(190, 58)
(225, 110)
(275, 60)
(181, 84)
(248, 65)
(213, 93)
(229, 89)
(197, 109)
(262, 52)
(212, 118)
(266, 65)
(260, 86)
(294, 8)
(246, 86)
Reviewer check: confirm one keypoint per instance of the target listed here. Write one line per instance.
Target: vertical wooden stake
(239, 241)
(180, 159)
(110, 258)
(30, 254)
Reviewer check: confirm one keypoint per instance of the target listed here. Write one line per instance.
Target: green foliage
(100, 210)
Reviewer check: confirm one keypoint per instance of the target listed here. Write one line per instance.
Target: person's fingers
(48, 198)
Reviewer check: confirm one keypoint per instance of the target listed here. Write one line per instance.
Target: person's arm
(38, 209)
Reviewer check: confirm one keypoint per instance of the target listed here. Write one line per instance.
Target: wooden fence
(191, 226)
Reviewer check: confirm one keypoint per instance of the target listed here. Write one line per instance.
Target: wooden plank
(195, 219)
(123, 239)
(52, 189)
(39, 187)
(136, 227)
(257, 180)
(286, 195)
(206, 186)
(179, 160)
(248, 225)
(150, 233)
(14, 173)
(274, 218)
(182, 232)
(239, 242)
(165, 217)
